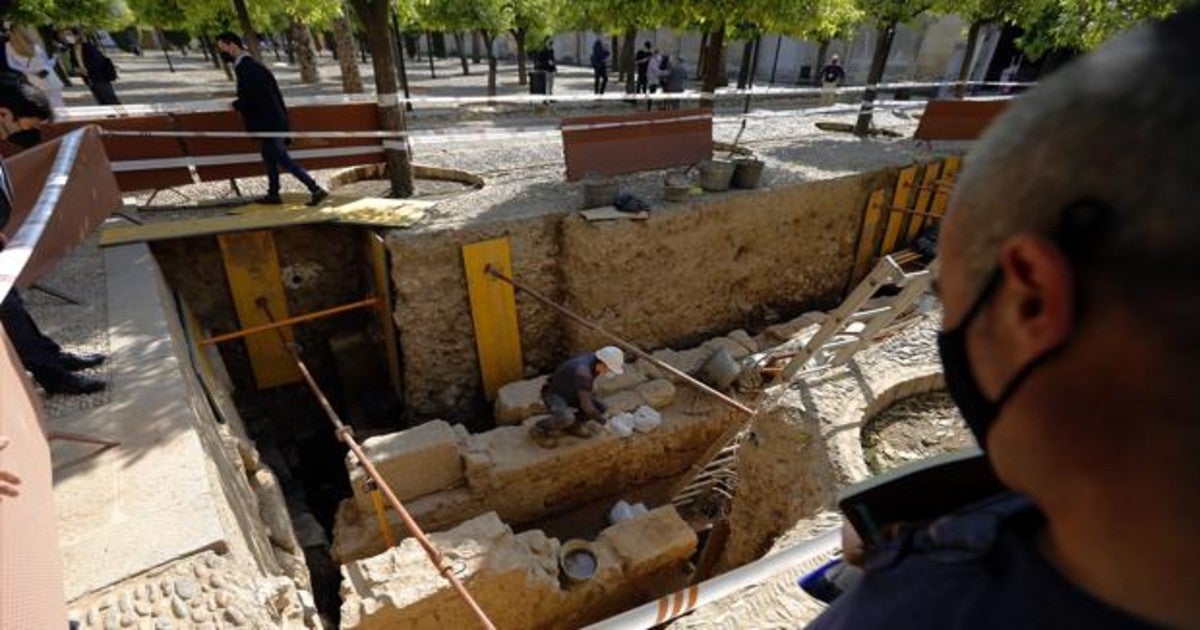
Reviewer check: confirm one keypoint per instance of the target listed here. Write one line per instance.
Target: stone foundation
(516, 578)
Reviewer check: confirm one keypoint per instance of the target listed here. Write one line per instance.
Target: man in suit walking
(262, 108)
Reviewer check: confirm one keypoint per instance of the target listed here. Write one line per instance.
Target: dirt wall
(725, 261)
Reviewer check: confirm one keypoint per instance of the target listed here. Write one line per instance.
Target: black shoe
(318, 196)
(270, 200)
(68, 383)
(76, 362)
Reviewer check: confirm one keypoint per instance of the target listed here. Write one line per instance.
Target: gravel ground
(78, 328)
(913, 429)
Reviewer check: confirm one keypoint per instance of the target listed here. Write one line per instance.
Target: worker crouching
(568, 394)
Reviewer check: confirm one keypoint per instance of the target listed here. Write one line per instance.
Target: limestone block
(658, 393)
(273, 510)
(612, 383)
(786, 331)
(414, 462)
(623, 401)
(744, 338)
(735, 349)
(651, 541)
(520, 400)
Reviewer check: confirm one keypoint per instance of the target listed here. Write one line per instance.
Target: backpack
(108, 69)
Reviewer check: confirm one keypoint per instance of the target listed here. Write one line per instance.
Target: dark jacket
(258, 97)
(98, 67)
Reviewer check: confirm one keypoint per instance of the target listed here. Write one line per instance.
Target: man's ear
(1037, 294)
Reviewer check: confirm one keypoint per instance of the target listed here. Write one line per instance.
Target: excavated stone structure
(516, 578)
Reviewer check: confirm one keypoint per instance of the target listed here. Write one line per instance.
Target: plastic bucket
(677, 193)
(598, 192)
(577, 560)
(720, 370)
(747, 173)
(715, 175)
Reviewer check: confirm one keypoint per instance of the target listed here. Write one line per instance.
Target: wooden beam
(942, 198)
(902, 197)
(494, 313)
(377, 254)
(924, 195)
(867, 236)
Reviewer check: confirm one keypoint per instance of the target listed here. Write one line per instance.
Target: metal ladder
(833, 344)
(714, 472)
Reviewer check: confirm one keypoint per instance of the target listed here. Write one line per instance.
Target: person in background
(23, 111)
(654, 71)
(675, 80)
(832, 76)
(261, 105)
(599, 67)
(26, 56)
(544, 61)
(642, 61)
(570, 387)
(1069, 343)
(96, 69)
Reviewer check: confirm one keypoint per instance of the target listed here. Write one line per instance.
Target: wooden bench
(631, 143)
(957, 120)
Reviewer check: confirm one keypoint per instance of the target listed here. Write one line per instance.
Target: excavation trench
(723, 274)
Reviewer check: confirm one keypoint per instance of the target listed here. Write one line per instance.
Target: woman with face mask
(96, 69)
(26, 55)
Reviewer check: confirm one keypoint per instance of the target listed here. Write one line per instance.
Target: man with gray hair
(1070, 345)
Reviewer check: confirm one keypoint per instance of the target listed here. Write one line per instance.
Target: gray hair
(1121, 126)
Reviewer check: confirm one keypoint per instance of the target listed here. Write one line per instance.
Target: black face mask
(979, 412)
(226, 57)
(25, 138)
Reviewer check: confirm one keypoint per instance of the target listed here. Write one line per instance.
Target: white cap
(613, 358)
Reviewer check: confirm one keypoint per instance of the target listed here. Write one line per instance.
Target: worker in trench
(1070, 344)
(570, 397)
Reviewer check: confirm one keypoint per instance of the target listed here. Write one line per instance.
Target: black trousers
(599, 79)
(275, 155)
(104, 93)
(39, 353)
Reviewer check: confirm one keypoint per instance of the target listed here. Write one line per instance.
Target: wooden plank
(377, 254)
(896, 219)
(494, 313)
(671, 138)
(924, 195)
(957, 120)
(252, 267)
(942, 197)
(867, 236)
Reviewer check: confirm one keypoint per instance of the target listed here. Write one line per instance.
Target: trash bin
(541, 82)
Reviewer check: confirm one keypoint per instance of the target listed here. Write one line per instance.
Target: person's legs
(270, 156)
(603, 79)
(595, 80)
(562, 418)
(105, 94)
(51, 367)
(290, 165)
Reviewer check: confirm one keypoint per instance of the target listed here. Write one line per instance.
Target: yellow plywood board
(377, 254)
(924, 195)
(942, 197)
(389, 213)
(866, 237)
(895, 214)
(252, 267)
(494, 312)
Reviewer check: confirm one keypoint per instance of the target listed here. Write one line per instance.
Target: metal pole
(686, 378)
(346, 435)
(291, 320)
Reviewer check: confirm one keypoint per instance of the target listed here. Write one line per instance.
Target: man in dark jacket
(599, 67)
(261, 105)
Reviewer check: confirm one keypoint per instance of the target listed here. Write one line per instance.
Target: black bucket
(747, 173)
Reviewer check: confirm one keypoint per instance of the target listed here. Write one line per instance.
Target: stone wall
(516, 578)
(806, 443)
(722, 262)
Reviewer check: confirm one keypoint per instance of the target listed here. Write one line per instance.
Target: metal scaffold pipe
(346, 435)
(683, 376)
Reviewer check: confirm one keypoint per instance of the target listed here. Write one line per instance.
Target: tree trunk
(822, 53)
(744, 69)
(712, 64)
(204, 48)
(212, 49)
(343, 38)
(462, 52)
(429, 47)
(374, 14)
(615, 57)
(775, 64)
(522, 71)
(289, 47)
(488, 41)
(309, 73)
(401, 69)
(249, 37)
(883, 45)
(627, 65)
(703, 58)
(162, 42)
(964, 70)
(476, 48)
(754, 62)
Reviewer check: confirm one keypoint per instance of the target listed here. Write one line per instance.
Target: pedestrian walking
(261, 104)
(96, 69)
(599, 67)
(26, 56)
